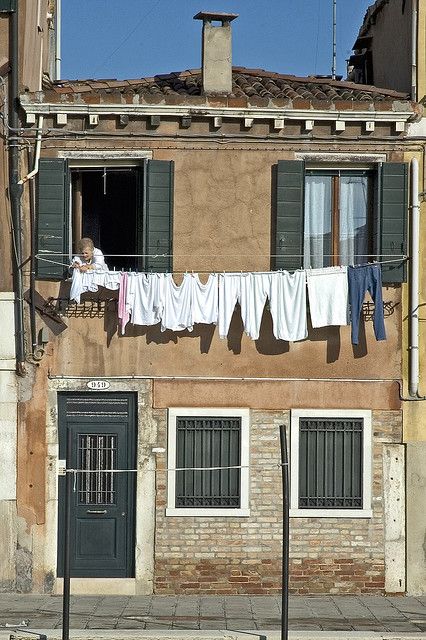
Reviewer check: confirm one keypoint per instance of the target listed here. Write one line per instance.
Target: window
(341, 216)
(126, 210)
(330, 463)
(208, 439)
(338, 217)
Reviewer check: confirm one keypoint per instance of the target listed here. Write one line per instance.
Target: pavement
(212, 617)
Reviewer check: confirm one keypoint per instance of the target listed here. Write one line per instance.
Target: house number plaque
(98, 385)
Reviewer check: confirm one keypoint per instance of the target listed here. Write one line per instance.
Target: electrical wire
(129, 35)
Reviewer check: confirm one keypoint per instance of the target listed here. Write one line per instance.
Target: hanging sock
(287, 301)
(328, 296)
(361, 279)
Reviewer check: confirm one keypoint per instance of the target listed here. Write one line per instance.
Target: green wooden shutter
(392, 219)
(288, 249)
(52, 218)
(159, 215)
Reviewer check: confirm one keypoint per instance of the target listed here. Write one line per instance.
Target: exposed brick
(243, 555)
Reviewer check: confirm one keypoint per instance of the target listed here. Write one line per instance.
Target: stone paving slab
(125, 634)
(345, 615)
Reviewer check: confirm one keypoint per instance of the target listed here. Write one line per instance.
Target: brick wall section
(243, 555)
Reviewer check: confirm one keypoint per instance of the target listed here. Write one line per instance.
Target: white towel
(328, 296)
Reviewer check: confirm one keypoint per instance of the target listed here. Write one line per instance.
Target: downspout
(414, 19)
(37, 151)
(15, 196)
(58, 59)
(413, 347)
(29, 176)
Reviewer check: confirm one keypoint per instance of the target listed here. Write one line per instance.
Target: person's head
(86, 248)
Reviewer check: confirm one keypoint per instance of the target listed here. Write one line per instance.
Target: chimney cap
(208, 16)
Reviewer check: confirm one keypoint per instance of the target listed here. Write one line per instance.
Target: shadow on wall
(103, 303)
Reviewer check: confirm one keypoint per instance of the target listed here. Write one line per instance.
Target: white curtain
(353, 228)
(317, 226)
(353, 246)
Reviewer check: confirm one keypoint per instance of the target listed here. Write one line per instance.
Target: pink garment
(123, 313)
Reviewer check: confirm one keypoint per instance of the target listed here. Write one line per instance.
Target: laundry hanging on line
(150, 298)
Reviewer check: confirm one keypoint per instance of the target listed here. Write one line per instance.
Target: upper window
(341, 216)
(338, 218)
(126, 210)
(208, 462)
(331, 463)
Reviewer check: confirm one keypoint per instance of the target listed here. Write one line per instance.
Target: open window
(344, 215)
(126, 210)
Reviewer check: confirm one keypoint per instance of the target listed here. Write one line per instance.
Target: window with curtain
(338, 218)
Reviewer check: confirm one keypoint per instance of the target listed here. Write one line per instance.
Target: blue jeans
(361, 279)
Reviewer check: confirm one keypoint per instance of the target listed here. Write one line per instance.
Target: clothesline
(147, 299)
(129, 270)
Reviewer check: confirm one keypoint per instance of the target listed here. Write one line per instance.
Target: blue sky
(137, 38)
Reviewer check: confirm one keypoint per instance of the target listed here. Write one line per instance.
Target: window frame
(336, 173)
(367, 474)
(54, 208)
(81, 162)
(243, 510)
(390, 211)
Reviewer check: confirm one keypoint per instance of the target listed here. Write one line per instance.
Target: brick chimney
(216, 51)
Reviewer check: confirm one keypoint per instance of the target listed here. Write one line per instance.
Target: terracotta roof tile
(246, 83)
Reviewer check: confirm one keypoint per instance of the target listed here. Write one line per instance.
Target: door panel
(102, 430)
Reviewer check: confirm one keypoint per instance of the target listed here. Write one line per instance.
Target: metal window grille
(208, 442)
(96, 453)
(330, 463)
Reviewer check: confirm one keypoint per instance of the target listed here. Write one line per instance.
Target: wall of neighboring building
(391, 45)
(16, 542)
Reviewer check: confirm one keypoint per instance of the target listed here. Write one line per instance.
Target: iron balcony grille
(208, 442)
(330, 463)
(96, 454)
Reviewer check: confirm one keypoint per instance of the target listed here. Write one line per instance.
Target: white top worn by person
(90, 258)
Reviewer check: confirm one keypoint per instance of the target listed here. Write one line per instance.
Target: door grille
(97, 455)
(330, 463)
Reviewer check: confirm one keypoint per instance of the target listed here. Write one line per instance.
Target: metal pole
(15, 193)
(67, 527)
(333, 66)
(286, 535)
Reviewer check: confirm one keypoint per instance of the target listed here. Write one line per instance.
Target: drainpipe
(37, 151)
(413, 348)
(414, 18)
(15, 194)
(58, 19)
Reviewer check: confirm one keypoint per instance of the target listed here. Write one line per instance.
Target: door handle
(100, 511)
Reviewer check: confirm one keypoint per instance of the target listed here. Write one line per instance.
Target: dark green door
(102, 429)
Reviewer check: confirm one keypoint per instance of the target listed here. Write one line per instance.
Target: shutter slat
(393, 207)
(52, 217)
(289, 215)
(159, 215)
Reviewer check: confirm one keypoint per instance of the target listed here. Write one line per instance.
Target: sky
(139, 38)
